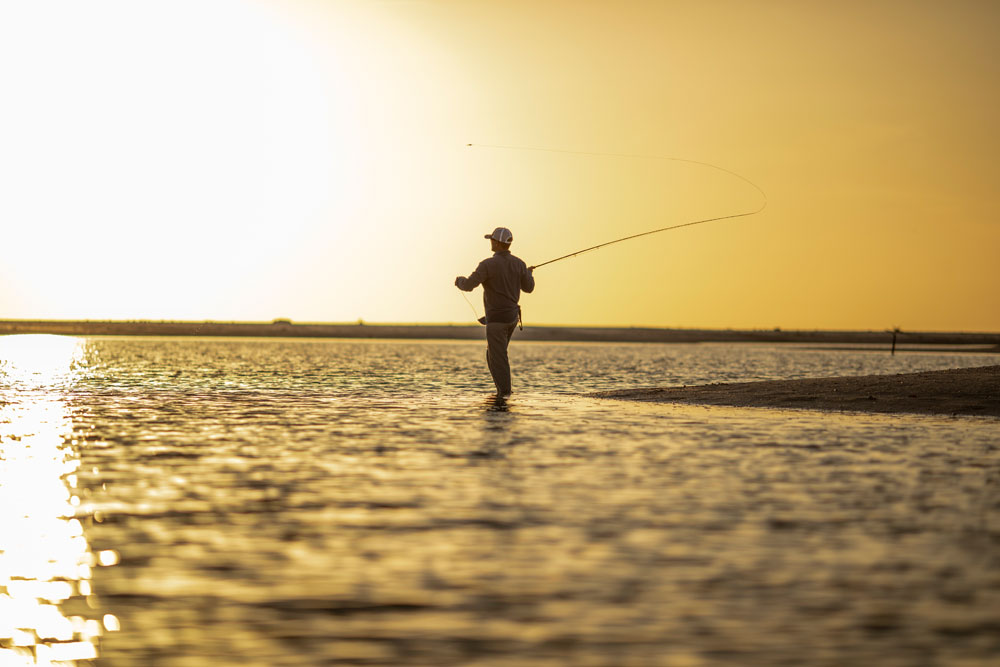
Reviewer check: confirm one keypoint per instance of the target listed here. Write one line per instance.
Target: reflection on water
(45, 561)
(340, 502)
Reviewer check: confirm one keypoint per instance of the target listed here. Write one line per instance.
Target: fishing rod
(646, 157)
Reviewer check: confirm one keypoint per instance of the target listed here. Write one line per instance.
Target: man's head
(500, 239)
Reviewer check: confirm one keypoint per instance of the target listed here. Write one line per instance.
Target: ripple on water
(317, 502)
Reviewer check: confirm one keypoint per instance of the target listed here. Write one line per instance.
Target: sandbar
(961, 391)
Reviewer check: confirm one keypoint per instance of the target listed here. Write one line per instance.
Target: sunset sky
(308, 159)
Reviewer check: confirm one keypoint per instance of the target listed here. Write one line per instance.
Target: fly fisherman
(503, 277)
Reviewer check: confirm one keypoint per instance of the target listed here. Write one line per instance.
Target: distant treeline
(287, 329)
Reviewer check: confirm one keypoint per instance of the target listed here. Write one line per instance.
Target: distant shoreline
(961, 391)
(916, 341)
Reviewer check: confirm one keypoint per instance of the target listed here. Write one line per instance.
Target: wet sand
(963, 391)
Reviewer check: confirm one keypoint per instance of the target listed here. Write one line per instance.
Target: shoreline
(954, 392)
(877, 340)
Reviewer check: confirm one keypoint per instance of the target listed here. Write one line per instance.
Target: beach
(963, 391)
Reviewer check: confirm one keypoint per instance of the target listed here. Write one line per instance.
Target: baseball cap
(501, 235)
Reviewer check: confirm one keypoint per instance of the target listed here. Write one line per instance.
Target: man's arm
(528, 280)
(474, 280)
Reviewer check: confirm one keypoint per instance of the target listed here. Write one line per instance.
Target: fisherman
(503, 277)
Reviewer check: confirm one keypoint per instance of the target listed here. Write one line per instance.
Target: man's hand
(531, 269)
(458, 282)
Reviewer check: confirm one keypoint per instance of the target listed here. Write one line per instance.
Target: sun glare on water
(45, 559)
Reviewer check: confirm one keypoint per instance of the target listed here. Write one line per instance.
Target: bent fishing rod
(647, 157)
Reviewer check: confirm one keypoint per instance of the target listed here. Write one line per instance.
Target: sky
(309, 159)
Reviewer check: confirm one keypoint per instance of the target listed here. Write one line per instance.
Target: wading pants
(497, 337)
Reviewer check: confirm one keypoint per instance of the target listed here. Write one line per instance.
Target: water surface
(307, 502)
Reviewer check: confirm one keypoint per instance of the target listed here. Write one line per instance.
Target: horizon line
(360, 323)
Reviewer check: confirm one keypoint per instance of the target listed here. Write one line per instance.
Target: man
(503, 277)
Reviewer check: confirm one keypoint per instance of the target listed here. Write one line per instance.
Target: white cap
(501, 235)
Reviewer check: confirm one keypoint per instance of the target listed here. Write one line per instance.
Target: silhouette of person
(503, 277)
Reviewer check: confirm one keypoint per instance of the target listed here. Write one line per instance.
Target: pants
(497, 338)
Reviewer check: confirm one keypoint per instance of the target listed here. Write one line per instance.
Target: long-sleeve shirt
(503, 277)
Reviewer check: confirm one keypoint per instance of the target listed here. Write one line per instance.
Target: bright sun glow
(161, 153)
(309, 159)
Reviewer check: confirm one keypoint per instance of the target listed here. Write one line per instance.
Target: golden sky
(308, 159)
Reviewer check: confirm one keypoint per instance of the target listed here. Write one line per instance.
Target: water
(271, 502)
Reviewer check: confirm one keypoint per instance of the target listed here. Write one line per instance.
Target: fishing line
(475, 313)
(642, 157)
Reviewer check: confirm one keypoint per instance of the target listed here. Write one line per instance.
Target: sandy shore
(907, 341)
(964, 391)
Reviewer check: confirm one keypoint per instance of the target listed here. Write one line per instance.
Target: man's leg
(497, 338)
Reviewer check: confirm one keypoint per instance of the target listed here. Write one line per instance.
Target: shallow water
(276, 502)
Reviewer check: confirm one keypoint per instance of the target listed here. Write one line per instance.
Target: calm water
(270, 502)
